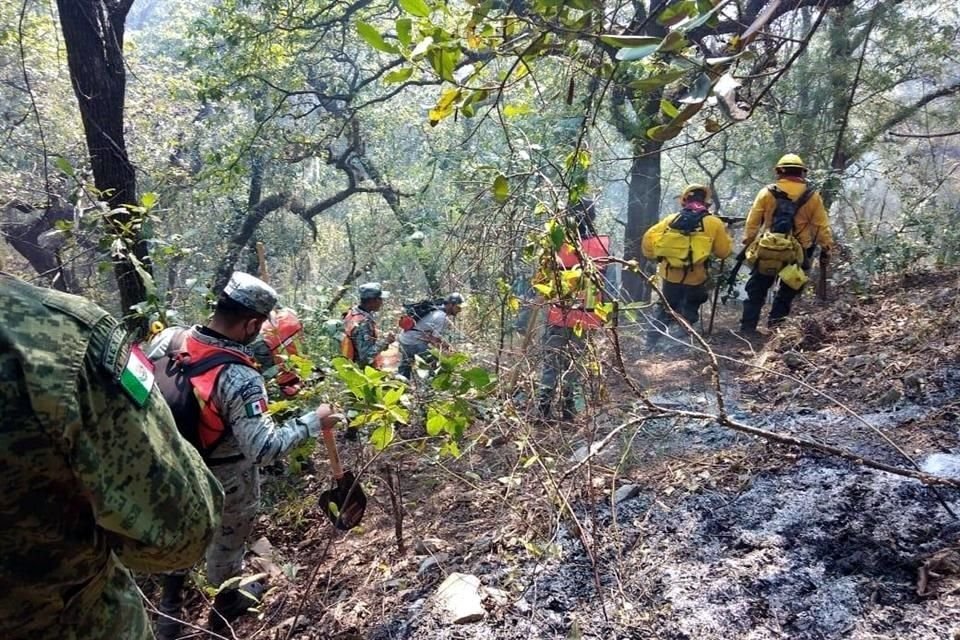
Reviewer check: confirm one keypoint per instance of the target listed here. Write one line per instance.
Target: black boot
(230, 604)
(171, 604)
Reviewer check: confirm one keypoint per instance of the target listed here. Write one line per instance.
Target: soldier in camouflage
(361, 341)
(96, 478)
(251, 439)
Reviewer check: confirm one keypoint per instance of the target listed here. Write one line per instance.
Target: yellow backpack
(771, 252)
(684, 242)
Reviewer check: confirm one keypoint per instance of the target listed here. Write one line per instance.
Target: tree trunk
(23, 226)
(246, 225)
(93, 36)
(643, 211)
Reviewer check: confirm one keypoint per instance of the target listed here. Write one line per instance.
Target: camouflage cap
(251, 292)
(372, 290)
(454, 298)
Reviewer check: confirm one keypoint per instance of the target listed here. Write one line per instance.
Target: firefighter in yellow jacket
(788, 213)
(683, 243)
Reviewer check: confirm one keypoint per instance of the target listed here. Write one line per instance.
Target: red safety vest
(187, 377)
(281, 334)
(595, 247)
(347, 348)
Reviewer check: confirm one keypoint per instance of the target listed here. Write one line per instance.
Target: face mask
(249, 337)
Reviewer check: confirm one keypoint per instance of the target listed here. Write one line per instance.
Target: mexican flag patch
(256, 408)
(137, 376)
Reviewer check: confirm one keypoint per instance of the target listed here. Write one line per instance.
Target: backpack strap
(805, 197)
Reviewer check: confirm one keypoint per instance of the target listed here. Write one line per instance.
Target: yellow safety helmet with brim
(690, 188)
(791, 160)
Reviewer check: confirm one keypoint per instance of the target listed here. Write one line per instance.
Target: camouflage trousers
(241, 489)
(108, 607)
(563, 350)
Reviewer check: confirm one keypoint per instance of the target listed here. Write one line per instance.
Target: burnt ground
(715, 534)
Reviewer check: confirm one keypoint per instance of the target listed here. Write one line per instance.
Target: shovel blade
(345, 503)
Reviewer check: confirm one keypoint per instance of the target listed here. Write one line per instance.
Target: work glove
(323, 417)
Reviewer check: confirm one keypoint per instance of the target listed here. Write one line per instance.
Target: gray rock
(428, 546)
(458, 599)
(431, 563)
(521, 606)
(626, 492)
(891, 397)
(298, 623)
(855, 362)
(913, 383)
(392, 585)
(793, 360)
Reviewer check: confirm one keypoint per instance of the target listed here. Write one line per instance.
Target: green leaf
(637, 53)
(417, 8)
(436, 423)
(148, 199)
(452, 361)
(658, 80)
(674, 40)
(64, 166)
(400, 75)
(404, 31)
(372, 37)
(629, 41)
(450, 448)
(478, 377)
(392, 396)
(382, 437)
(699, 91)
(676, 12)
(667, 109)
(443, 62)
(513, 110)
(501, 188)
(544, 289)
(664, 132)
(557, 237)
(703, 18)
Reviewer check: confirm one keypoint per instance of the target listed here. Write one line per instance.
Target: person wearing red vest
(280, 338)
(361, 340)
(236, 435)
(566, 321)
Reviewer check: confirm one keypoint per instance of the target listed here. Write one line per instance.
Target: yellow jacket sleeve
(722, 243)
(763, 205)
(652, 235)
(821, 233)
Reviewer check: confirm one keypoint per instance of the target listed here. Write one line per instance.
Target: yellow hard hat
(690, 188)
(791, 160)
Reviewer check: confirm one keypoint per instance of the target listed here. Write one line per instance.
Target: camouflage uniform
(94, 480)
(563, 350)
(250, 441)
(364, 336)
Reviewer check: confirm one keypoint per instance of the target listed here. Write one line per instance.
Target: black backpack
(688, 221)
(413, 312)
(786, 209)
(173, 372)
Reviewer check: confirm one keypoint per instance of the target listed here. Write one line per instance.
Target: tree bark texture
(93, 35)
(643, 211)
(243, 234)
(22, 228)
